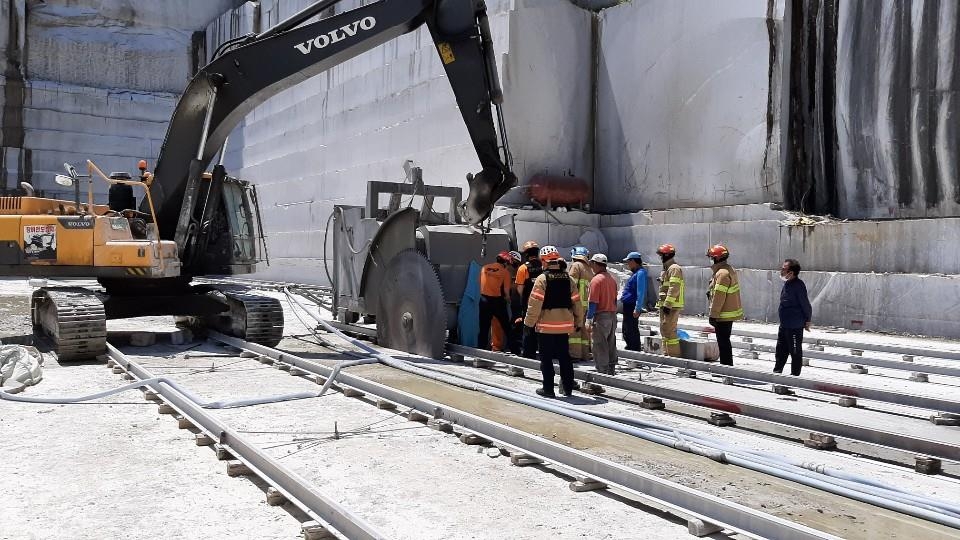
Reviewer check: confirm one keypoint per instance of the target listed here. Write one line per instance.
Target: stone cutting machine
(193, 222)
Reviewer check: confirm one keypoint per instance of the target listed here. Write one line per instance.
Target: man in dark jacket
(795, 315)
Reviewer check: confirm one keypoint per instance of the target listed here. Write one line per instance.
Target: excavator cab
(231, 241)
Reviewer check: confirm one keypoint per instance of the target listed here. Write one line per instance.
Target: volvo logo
(337, 34)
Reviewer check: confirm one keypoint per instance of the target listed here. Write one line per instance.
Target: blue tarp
(468, 318)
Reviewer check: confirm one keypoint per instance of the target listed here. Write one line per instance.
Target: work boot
(546, 393)
(567, 392)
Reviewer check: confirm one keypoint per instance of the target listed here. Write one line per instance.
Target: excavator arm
(261, 66)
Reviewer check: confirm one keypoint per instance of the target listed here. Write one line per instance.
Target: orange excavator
(193, 222)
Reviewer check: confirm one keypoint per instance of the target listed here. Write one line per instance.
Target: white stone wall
(317, 144)
(688, 104)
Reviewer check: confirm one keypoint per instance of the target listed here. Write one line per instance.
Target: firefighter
(497, 336)
(554, 312)
(581, 273)
(633, 298)
(526, 275)
(494, 298)
(724, 295)
(670, 299)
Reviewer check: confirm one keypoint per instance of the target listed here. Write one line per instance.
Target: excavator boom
(241, 78)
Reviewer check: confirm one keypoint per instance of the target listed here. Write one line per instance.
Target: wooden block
(183, 422)
(150, 395)
(202, 439)
(857, 368)
(314, 531)
(274, 497)
(515, 371)
(916, 376)
(721, 419)
(118, 370)
(652, 403)
(847, 401)
(166, 408)
(128, 376)
(236, 468)
(592, 389)
(928, 465)
(352, 392)
(264, 359)
(820, 441)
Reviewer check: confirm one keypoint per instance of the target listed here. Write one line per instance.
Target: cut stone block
(111, 363)
(820, 441)
(473, 439)
(202, 439)
(515, 371)
(945, 419)
(746, 339)
(440, 425)
(456, 358)
(236, 468)
(818, 348)
(847, 401)
(907, 358)
(274, 497)
(183, 422)
(684, 372)
(296, 372)
(916, 376)
(263, 359)
(118, 370)
(128, 376)
(480, 363)
(726, 380)
(150, 395)
(166, 408)
(653, 403)
(592, 389)
(386, 405)
(222, 453)
(415, 416)
(181, 337)
(352, 392)
(804, 362)
(721, 419)
(249, 354)
(856, 352)
(857, 368)
(282, 366)
(782, 390)
(522, 460)
(314, 531)
(750, 355)
(700, 528)
(584, 483)
(928, 465)
(142, 339)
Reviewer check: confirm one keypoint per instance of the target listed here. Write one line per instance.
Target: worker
(670, 299)
(795, 314)
(602, 316)
(497, 336)
(554, 312)
(494, 296)
(632, 298)
(581, 274)
(723, 292)
(526, 275)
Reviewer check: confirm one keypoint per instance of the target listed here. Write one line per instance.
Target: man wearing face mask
(795, 315)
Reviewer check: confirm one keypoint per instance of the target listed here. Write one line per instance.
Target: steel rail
(888, 439)
(295, 488)
(878, 347)
(886, 396)
(684, 500)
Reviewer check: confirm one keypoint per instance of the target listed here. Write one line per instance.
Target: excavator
(192, 222)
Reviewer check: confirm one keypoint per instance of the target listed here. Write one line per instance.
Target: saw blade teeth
(409, 301)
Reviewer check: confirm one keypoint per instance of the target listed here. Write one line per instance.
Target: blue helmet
(579, 252)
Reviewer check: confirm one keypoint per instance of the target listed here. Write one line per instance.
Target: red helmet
(667, 249)
(549, 253)
(718, 251)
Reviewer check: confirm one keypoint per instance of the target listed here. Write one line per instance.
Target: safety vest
(582, 274)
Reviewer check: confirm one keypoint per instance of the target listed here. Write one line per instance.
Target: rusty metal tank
(548, 190)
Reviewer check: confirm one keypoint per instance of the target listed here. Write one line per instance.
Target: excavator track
(73, 318)
(251, 317)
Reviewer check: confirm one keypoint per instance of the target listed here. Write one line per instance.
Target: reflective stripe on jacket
(671, 286)
(557, 320)
(581, 274)
(724, 293)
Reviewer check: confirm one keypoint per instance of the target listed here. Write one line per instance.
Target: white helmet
(599, 258)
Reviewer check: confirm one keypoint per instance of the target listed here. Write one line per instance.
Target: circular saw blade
(411, 315)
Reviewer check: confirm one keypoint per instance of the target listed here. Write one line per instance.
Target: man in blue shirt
(633, 298)
(795, 314)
